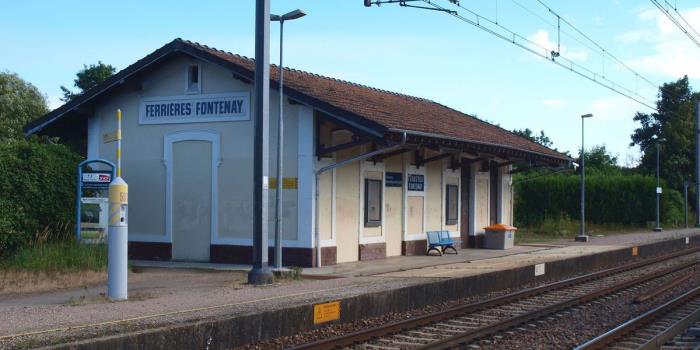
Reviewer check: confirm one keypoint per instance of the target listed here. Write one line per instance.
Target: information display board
(92, 202)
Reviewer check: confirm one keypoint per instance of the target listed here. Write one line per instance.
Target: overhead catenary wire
(517, 40)
(550, 55)
(675, 21)
(606, 52)
(594, 46)
(603, 50)
(675, 9)
(544, 20)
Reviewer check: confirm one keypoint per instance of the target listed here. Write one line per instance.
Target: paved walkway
(481, 260)
(162, 296)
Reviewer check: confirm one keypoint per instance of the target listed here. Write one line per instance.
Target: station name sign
(195, 108)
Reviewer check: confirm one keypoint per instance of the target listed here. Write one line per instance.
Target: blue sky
(423, 53)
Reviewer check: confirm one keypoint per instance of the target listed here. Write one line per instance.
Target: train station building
(187, 155)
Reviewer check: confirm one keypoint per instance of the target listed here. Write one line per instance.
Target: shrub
(37, 187)
(619, 199)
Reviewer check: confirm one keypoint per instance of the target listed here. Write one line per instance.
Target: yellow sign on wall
(111, 136)
(635, 251)
(326, 312)
(288, 183)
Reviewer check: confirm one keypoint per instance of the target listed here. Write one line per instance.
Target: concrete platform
(406, 263)
(185, 308)
(470, 261)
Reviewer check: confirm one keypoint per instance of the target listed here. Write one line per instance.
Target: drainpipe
(317, 175)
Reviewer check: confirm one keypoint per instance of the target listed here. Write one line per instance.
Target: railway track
(459, 326)
(669, 326)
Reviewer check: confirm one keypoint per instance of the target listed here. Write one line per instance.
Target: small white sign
(195, 108)
(539, 269)
(97, 177)
(687, 240)
(658, 190)
(93, 200)
(266, 183)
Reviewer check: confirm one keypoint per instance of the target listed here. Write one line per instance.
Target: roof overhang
(478, 150)
(378, 132)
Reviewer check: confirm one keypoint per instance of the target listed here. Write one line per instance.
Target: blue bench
(440, 241)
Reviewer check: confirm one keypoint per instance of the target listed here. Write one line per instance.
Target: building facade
(407, 165)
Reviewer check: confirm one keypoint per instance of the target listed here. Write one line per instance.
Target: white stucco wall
(144, 165)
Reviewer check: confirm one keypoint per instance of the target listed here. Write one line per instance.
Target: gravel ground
(339, 329)
(344, 328)
(580, 324)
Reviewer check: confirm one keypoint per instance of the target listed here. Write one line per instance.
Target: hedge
(37, 183)
(619, 199)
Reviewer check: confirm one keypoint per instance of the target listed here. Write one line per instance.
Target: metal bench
(440, 241)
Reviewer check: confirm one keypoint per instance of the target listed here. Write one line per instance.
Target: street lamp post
(280, 138)
(658, 186)
(582, 236)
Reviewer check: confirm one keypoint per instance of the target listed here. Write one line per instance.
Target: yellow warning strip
(62, 329)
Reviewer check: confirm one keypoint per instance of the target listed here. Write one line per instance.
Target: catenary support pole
(261, 272)
(582, 231)
(697, 164)
(118, 230)
(685, 202)
(658, 189)
(280, 174)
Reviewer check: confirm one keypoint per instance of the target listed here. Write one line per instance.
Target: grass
(45, 266)
(64, 256)
(557, 229)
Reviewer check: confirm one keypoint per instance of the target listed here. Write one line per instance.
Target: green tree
(674, 122)
(20, 103)
(542, 139)
(87, 78)
(600, 161)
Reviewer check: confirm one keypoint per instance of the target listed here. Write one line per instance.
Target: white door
(191, 213)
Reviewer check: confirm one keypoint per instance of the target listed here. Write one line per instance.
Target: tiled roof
(378, 108)
(393, 110)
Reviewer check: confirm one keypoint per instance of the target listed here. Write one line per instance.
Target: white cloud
(553, 102)
(598, 20)
(541, 39)
(673, 54)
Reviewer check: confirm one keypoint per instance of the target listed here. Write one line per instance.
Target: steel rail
(661, 289)
(467, 337)
(630, 326)
(414, 322)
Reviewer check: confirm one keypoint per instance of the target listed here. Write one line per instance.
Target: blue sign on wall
(416, 182)
(394, 180)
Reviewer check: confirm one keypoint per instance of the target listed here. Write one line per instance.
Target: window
(451, 206)
(373, 203)
(193, 79)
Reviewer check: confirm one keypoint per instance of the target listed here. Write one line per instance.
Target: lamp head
(588, 115)
(294, 14)
(288, 16)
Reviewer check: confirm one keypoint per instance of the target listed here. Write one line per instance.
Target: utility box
(499, 236)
